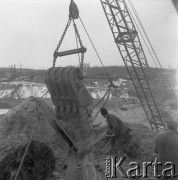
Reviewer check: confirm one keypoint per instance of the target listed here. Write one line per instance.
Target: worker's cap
(104, 111)
(172, 125)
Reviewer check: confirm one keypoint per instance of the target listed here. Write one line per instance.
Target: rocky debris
(39, 162)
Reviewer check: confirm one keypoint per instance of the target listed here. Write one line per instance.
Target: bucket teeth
(67, 90)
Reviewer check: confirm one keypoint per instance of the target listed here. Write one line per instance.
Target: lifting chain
(55, 55)
(81, 45)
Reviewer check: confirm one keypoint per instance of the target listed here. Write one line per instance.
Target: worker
(117, 131)
(167, 149)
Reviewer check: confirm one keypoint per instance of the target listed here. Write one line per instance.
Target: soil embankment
(34, 115)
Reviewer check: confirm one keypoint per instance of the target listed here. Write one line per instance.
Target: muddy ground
(18, 124)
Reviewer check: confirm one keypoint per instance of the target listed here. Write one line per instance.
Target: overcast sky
(30, 31)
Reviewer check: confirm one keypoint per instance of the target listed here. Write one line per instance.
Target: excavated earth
(34, 115)
(18, 125)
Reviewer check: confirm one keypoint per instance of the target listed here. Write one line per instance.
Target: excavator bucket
(71, 100)
(73, 106)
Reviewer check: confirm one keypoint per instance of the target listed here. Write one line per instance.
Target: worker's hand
(106, 138)
(110, 135)
(109, 132)
(89, 110)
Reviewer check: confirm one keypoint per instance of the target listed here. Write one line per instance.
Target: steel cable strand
(95, 50)
(26, 150)
(144, 31)
(136, 14)
(141, 34)
(108, 94)
(99, 102)
(128, 104)
(146, 68)
(102, 62)
(29, 142)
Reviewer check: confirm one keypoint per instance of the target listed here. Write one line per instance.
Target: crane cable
(105, 68)
(141, 34)
(36, 131)
(143, 29)
(142, 37)
(24, 155)
(136, 14)
(99, 102)
(95, 50)
(127, 104)
(108, 92)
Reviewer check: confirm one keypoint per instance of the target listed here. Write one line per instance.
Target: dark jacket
(115, 125)
(167, 148)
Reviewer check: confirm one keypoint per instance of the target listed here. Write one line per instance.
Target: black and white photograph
(88, 89)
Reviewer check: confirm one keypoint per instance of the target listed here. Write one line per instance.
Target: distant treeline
(96, 71)
(121, 72)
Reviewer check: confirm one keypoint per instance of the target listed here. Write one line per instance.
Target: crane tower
(129, 45)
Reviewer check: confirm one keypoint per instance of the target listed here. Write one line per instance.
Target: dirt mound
(140, 148)
(38, 164)
(33, 115)
(145, 137)
(140, 145)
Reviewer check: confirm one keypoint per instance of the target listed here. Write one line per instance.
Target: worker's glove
(89, 110)
(107, 137)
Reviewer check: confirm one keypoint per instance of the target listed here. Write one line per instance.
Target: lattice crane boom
(129, 45)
